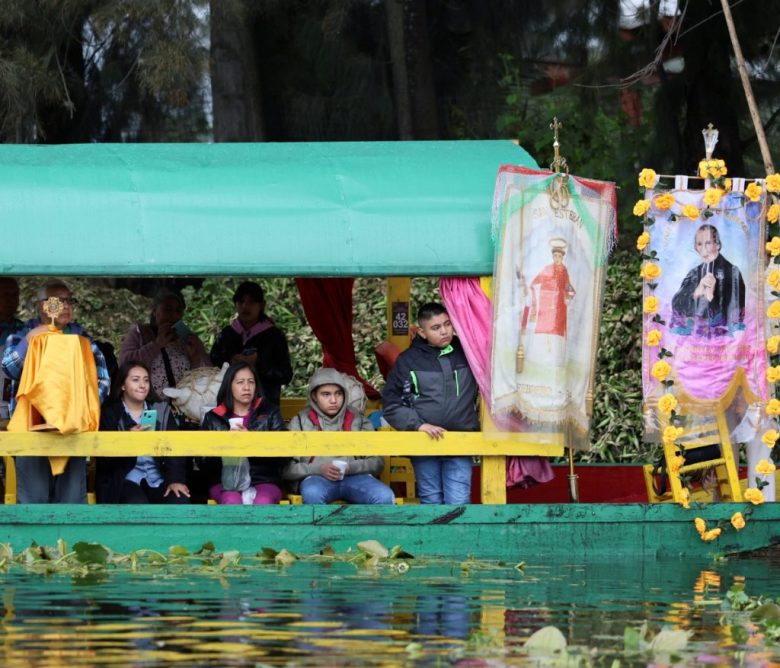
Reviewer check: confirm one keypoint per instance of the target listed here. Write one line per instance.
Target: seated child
(431, 389)
(319, 479)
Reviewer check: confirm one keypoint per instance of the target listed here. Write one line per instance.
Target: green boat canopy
(293, 209)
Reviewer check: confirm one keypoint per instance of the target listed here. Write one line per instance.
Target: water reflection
(311, 613)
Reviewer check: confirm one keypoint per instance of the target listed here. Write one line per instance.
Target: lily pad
(547, 639)
(374, 548)
(91, 553)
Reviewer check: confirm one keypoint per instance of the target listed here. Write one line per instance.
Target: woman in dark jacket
(138, 479)
(239, 408)
(252, 337)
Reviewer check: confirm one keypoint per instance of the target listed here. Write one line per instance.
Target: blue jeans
(443, 479)
(358, 488)
(36, 484)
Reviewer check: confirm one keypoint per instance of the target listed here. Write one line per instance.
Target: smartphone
(182, 331)
(149, 420)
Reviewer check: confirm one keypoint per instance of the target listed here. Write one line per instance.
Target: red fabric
(349, 418)
(327, 303)
(386, 354)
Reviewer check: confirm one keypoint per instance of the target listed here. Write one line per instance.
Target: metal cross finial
(710, 135)
(559, 163)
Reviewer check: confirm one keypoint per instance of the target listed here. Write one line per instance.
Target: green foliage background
(108, 313)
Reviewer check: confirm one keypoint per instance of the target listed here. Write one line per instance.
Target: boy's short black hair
(428, 311)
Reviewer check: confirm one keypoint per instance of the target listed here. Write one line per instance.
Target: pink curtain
(327, 303)
(472, 314)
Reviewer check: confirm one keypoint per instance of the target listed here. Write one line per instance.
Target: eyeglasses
(69, 301)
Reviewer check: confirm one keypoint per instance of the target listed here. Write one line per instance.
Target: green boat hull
(582, 532)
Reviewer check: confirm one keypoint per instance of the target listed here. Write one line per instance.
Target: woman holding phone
(241, 408)
(166, 345)
(254, 338)
(134, 406)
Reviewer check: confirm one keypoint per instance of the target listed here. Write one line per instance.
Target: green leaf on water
(547, 639)
(631, 638)
(90, 553)
(374, 548)
(207, 549)
(739, 634)
(670, 640)
(767, 612)
(285, 558)
(267, 554)
(397, 552)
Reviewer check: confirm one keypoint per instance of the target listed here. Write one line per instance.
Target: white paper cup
(341, 465)
(236, 422)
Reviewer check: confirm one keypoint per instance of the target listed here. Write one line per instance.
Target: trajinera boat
(394, 210)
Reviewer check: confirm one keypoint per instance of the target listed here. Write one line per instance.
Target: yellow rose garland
(647, 178)
(753, 192)
(650, 271)
(773, 183)
(738, 521)
(654, 337)
(664, 202)
(754, 496)
(773, 246)
(690, 211)
(642, 241)
(765, 467)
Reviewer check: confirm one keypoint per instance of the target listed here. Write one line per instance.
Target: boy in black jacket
(431, 389)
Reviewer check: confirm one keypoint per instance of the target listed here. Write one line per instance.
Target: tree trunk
(235, 82)
(712, 94)
(413, 83)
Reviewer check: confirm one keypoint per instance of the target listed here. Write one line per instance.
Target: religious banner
(704, 297)
(553, 233)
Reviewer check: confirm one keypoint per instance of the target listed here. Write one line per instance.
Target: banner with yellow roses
(704, 298)
(553, 234)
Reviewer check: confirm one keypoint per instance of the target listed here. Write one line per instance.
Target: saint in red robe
(551, 291)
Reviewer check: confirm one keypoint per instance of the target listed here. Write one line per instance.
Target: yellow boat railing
(286, 444)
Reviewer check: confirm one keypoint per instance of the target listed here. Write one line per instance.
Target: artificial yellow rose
(661, 370)
(770, 438)
(667, 403)
(647, 178)
(671, 434)
(664, 202)
(654, 336)
(773, 246)
(651, 305)
(773, 214)
(765, 467)
(704, 169)
(772, 374)
(754, 496)
(720, 168)
(643, 240)
(641, 207)
(773, 344)
(774, 309)
(685, 498)
(712, 534)
(712, 196)
(773, 280)
(737, 521)
(773, 407)
(773, 183)
(650, 271)
(700, 524)
(753, 192)
(676, 463)
(690, 211)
